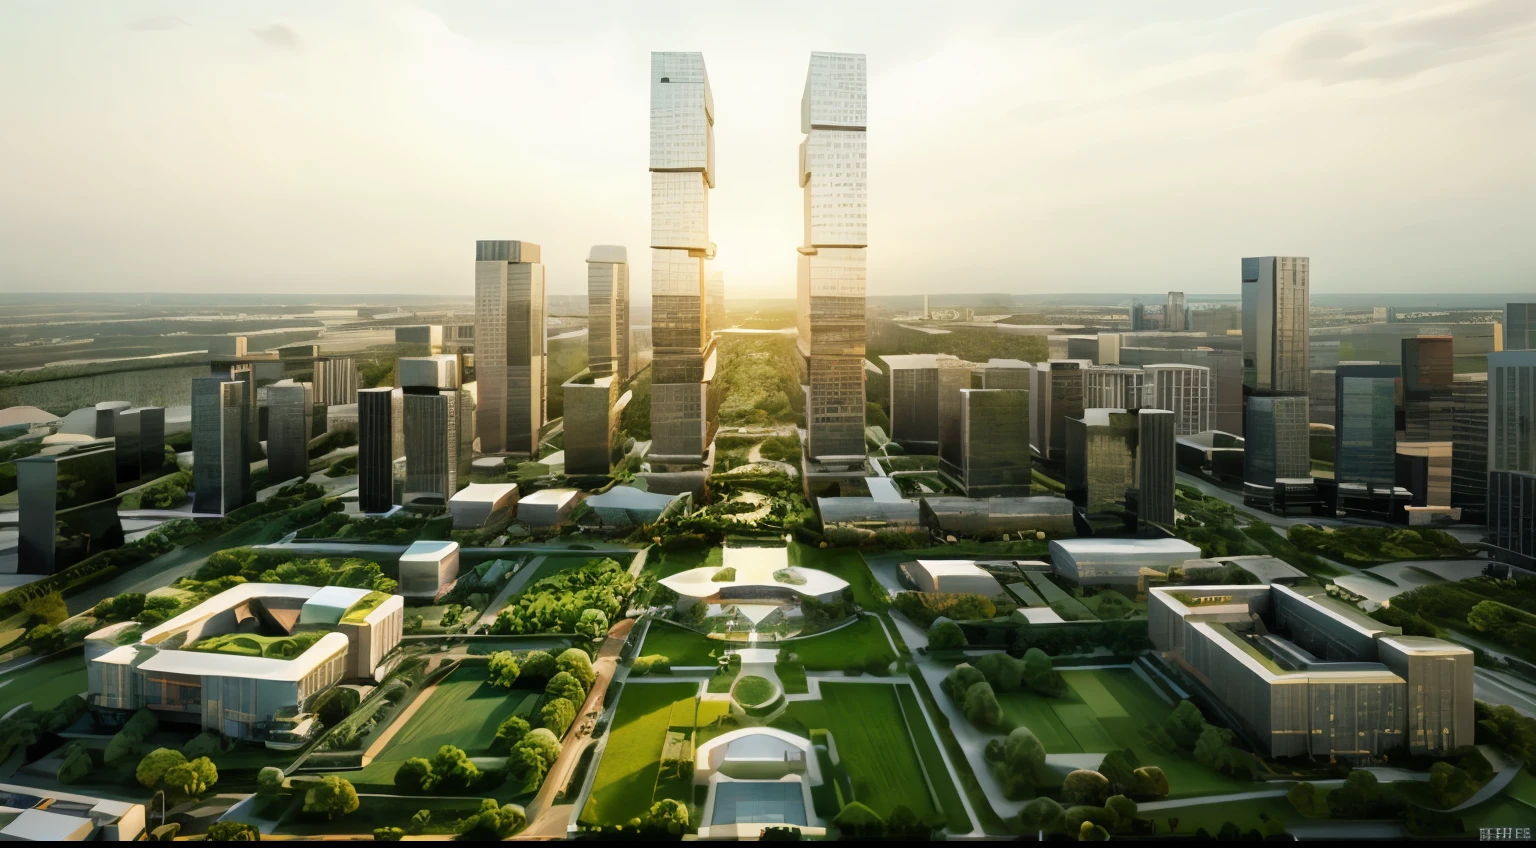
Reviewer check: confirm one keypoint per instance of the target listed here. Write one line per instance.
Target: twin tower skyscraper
(830, 288)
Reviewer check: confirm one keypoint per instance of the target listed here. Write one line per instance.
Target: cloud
(279, 37)
(158, 24)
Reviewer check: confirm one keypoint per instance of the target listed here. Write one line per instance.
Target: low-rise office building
(67, 496)
(990, 518)
(1301, 674)
(1118, 562)
(482, 505)
(547, 507)
(249, 662)
(428, 568)
(951, 576)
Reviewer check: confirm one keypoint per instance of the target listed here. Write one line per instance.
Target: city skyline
(1379, 202)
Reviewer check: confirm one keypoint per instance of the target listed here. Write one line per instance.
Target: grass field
(665, 562)
(872, 741)
(842, 648)
(464, 710)
(681, 645)
(848, 564)
(44, 684)
(626, 775)
(933, 761)
(1106, 711)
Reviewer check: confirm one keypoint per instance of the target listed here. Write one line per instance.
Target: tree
(532, 757)
(1303, 797)
(1005, 673)
(1119, 768)
(388, 834)
(557, 715)
(452, 769)
(503, 670)
(75, 765)
(509, 733)
(945, 635)
(667, 815)
(856, 819)
(1123, 809)
(232, 831)
(960, 680)
(493, 822)
(1042, 814)
(1184, 725)
(202, 745)
(575, 662)
(593, 624)
(538, 666)
(333, 796)
(1023, 757)
(151, 770)
(335, 705)
(1085, 787)
(1357, 798)
(565, 685)
(1150, 782)
(1041, 676)
(420, 821)
(269, 781)
(192, 778)
(981, 706)
(414, 775)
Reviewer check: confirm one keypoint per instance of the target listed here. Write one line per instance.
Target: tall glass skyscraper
(1428, 371)
(831, 276)
(290, 418)
(220, 462)
(1520, 326)
(1184, 390)
(608, 311)
(1512, 454)
(380, 447)
(682, 164)
(1175, 319)
(510, 347)
(1469, 447)
(68, 506)
(438, 428)
(1365, 451)
(1276, 377)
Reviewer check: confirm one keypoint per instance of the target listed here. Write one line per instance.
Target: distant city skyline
(179, 146)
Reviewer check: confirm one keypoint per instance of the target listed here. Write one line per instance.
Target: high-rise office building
(1226, 378)
(380, 448)
(714, 300)
(438, 428)
(1113, 387)
(1512, 454)
(1276, 448)
(913, 383)
(1365, 451)
(1276, 335)
(151, 439)
(1184, 390)
(1428, 372)
(107, 413)
(1004, 374)
(592, 410)
(994, 444)
(954, 376)
(1055, 394)
(1156, 446)
(1174, 316)
(831, 275)
(67, 496)
(1469, 447)
(608, 311)
(1520, 326)
(684, 399)
(290, 421)
(1321, 397)
(1138, 317)
(221, 465)
(125, 434)
(510, 347)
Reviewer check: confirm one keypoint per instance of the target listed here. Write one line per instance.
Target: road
(341, 548)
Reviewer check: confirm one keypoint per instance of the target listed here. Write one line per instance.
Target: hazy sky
(1138, 145)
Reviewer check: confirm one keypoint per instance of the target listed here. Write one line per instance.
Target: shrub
(925, 607)
(269, 781)
(668, 816)
(981, 706)
(202, 745)
(232, 831)
(575, 662)
(334, 796)
(191, 778)
(510, 733)
(538, 666)
(452, 770)
(1085, 787)
(1022, 759)
(563, 685)
(557, 715)
(654, 663)
(384, 834)
(1043, 814)
(1303, 797)
(503, 670)
(532, 757)
(945, 635)
(414, 775)
(75, 765)
(960, 680)
(493, 822)
(151, 770)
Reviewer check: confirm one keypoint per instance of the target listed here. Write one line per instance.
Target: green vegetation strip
(933, 762)
(626, 775)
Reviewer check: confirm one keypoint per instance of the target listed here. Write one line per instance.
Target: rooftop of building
(754, 566)
(429, 551)
(629, 497)
(484, 493)
(550, 497)
(907, 361)
(1079, 548)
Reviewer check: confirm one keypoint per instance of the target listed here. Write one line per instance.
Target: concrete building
(1055, 395)
(438, 429)
(954, 376)
(1512, 455)
(994, 444)
(1429, 368)
(1425, 469)
(198, 668)
(593, 408)
(684, 399)
(1469, 446)
(608, 311)
(35, 815)
(1138, 317)
(547, 507)
(380, 449)
(1300, 674)
(1113, 387)
(290, 418)
(1122, 462)
(833, 175)
(1322, 395)
(483, 505)
(1174, 316)
(1226, 377)
(1184, 390)
(913, 383)
(1002, 374)
(151, 440)
(1520, 326)
(511, 347)
(1117, 562)
(221, 465)
(67, 499)
(952, 576)
(430, 335)
(427, 569)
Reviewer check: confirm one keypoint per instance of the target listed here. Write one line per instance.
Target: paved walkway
(515, 585)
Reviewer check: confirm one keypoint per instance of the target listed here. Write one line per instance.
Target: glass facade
(1155, 460)
(608, 311)
(1101, 459)
(1113, 387)
(68, 506)
(1184, 390)
(1520, 326)
(289, 420)
(994, 426)
(1174, 316)
(1428, 372)
(1469, 446)
(380, 442)
(1276, 444)
(510, 346)
(1276, 334)
(220, 462)
(1365, 451)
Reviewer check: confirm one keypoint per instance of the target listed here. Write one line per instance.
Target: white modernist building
(427, 568)
(482, 504)
(1095, 562)
(547, 507)
(758, 777)
(249, 661)
(952, 575)
(753, 575)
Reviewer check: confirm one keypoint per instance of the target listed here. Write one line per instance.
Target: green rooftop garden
(359, 611)
(253, 645)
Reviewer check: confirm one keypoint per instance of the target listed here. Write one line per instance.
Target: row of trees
(579, 600)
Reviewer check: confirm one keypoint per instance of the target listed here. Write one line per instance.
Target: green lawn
(866, 724)
(45, 684)
(842, 648)
(1105, 711)
(626, 775)
(681, 645)
(665, 562)
(752, 691)
(848, 564)
(464, 710)
(933, 761)
(1244, 814)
